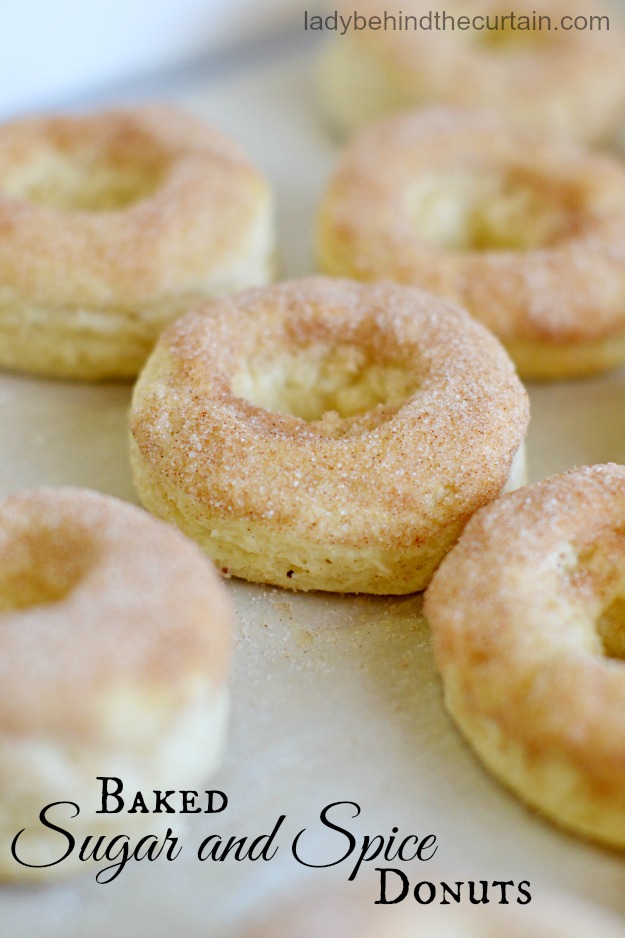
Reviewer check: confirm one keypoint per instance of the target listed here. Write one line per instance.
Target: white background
(51, 48)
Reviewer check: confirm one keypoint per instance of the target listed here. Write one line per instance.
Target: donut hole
(594, 570)
(611, 629)
(479, 210)
(311, 382)
(85, 181)
(42, 567)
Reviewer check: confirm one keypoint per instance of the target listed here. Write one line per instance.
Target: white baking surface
(335, 699)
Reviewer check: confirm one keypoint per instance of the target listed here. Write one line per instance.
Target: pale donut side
(527, 234)
(526, 615)
(114, 647)
(112, 225)
(323, 434)
(568, 83)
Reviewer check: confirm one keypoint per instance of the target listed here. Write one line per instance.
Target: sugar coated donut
(114, 645)
(113, 224)
(526, 234)
(324, 434)
(527, 618)
(567, 79)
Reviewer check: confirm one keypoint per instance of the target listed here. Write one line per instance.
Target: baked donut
(528, 235)
(113, 224)
(527, 620)
(352, 913)
(114, 645)
(325, 434)
(563, 80)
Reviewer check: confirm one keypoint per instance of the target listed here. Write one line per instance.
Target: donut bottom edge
(99, 343)
(259, 554)
(552, 787)
(545, 361)
(35, 773)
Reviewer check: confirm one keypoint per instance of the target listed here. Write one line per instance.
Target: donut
(353, 913)
(526, 234)
(526, 614)
(324, 434)
(565, 81)
(112, 225)
(114, 647)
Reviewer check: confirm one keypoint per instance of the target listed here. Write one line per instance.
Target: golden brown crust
(525, 617)
(128, 213)
(566, 82)
(389, 485)
(527, 234)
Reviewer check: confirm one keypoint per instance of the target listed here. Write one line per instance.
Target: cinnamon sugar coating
(324, 434)
(527, 234)
(111, 225)
(114, 649)
(527, 617)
